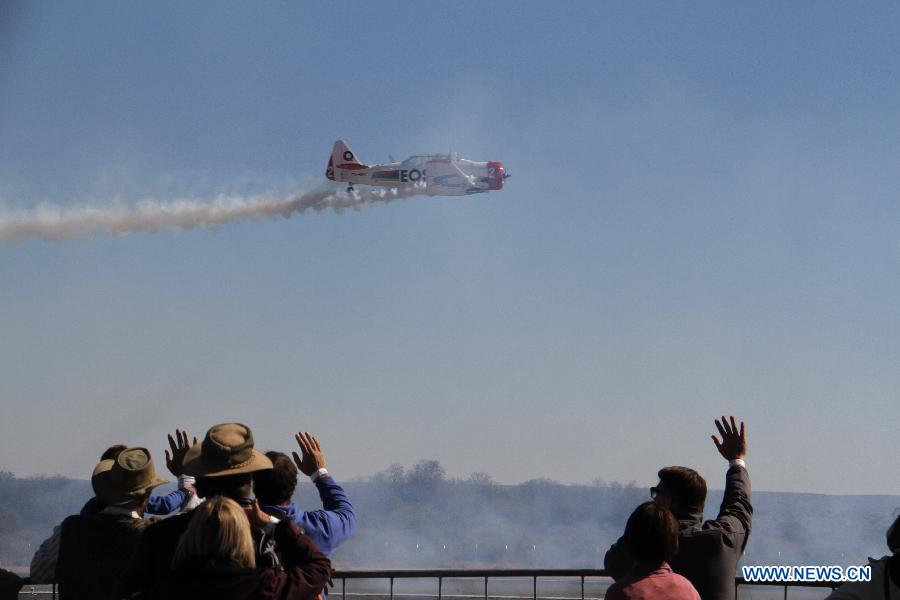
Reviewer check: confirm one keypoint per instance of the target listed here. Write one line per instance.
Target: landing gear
(349, 189)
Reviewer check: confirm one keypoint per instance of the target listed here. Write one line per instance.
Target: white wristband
(737, 462)
(185, 480)
(320, 473)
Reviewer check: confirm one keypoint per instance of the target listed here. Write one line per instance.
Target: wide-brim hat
(126, 479)
(227, 449)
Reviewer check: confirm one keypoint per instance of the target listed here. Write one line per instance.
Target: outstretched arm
(334, 524)
(736, 513)
(163, 505)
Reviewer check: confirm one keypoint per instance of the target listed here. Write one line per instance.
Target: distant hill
(30, 507)
(420, 519)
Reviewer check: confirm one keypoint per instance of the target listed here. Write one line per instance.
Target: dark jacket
(152, 558)
(708, 551)
(10, 584)
(305, 572)
(93, 551)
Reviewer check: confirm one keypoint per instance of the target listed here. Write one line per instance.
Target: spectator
(92, 550)
(157, 505)
(223, 465)
(651, 536)
(215, 558)
(275, 489)
(708, 551)
(885, 582)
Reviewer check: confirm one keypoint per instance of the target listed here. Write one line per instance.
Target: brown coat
(306, 572)
(149, 569)
(93, 552)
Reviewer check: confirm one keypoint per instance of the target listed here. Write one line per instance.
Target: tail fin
(342, 157)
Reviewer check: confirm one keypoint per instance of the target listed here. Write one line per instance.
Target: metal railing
(482, 577)
(740, 581)
(580, 576)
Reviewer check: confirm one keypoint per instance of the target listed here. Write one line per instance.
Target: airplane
(442, 174)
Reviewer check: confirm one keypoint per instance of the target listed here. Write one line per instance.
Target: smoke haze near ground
(418, 518)
(149, 216)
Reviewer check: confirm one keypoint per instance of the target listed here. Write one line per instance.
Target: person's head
(127, 480)
(218, 535)
(112, 452)
(680, 489)
(276, 486)
(225, 462)
(893, 536)
(651, 534)
(237, 487)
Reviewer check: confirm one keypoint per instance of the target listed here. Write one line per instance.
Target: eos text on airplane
(442, 174)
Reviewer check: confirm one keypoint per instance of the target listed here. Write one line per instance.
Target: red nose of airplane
(497, 175)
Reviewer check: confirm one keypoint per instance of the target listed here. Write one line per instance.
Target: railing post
(582, 587)
(344, 588)
(440, 587)
(534, 588)
(485, 587)
(392, 588)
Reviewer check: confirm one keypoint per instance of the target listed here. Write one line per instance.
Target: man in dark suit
(708, 551)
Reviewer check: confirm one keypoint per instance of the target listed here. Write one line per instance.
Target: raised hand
(734, 443)
(313, 457)
(179, 447)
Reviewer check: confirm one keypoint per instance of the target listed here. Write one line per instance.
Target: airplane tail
(342, 157)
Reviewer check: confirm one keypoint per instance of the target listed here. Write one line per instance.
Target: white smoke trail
(53, 223)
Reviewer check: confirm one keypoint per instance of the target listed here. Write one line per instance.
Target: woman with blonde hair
(215, 558)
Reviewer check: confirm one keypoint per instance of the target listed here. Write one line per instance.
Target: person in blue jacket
(274, 490)
(156, 505)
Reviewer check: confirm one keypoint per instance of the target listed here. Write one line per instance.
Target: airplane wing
(445, 178)
(462, 173)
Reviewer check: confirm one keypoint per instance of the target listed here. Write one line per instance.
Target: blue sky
(702, 219)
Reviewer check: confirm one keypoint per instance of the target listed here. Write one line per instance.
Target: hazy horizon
(413, 522)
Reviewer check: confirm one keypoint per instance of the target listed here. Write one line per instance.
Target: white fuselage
(439, 174)
(458, 178)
